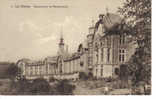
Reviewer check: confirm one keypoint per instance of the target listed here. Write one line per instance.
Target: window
(49, 69)
(73, 65)
(23, 68)
(31, 70)
(81, 63)
(101, 44)
(46, 69)
(108, 54)
(97, 56)
(69, 66)
(61, 68)
(101, 70)
(122, 55)
(96, 71)
(38, 70)
(34, 70)
(96, 46)
(101, 54)
(122, 39)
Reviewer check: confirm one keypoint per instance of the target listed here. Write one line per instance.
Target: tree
(40, 86)
(64, 88)
(23, 86)
(123, 76)
(52, 79)
(83, 76)
(13, 71)
(137, 14)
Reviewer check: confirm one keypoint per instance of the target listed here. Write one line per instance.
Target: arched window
(101, 54)
(47, 69)
(97, 56)
(96, 46)
(108, 54)
(60, 66)
(101, 70)
(96, 72)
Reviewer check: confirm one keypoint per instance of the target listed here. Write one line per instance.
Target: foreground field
(98, 87)
(81, 87)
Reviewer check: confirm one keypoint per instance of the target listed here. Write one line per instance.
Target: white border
(105, 96)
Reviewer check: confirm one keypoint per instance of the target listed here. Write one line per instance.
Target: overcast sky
(34, 32)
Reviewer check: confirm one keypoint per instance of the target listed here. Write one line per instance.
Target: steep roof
(30, 62)
(25, 60)
(51, 59)
(109, 20)
(72, 56)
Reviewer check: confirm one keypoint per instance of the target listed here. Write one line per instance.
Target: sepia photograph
(75, 47)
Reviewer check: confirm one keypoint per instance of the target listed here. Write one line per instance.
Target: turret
(91, 32)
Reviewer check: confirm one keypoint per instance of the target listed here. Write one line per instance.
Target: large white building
(63, 66)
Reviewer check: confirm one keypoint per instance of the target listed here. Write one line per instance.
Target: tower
(92, 27)
(61, 43)
(90, 46)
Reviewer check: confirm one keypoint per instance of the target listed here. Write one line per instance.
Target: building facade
(102, 53)
(63, 66)
(108, 48)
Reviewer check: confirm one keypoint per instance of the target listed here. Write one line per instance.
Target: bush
(109, 79)
(23, 86)
(13, 71)
(63, 87)
(83, 76)
(52, 79)
(90, 76)
(40, 86)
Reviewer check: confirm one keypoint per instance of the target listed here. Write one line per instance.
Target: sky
(35, 32)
